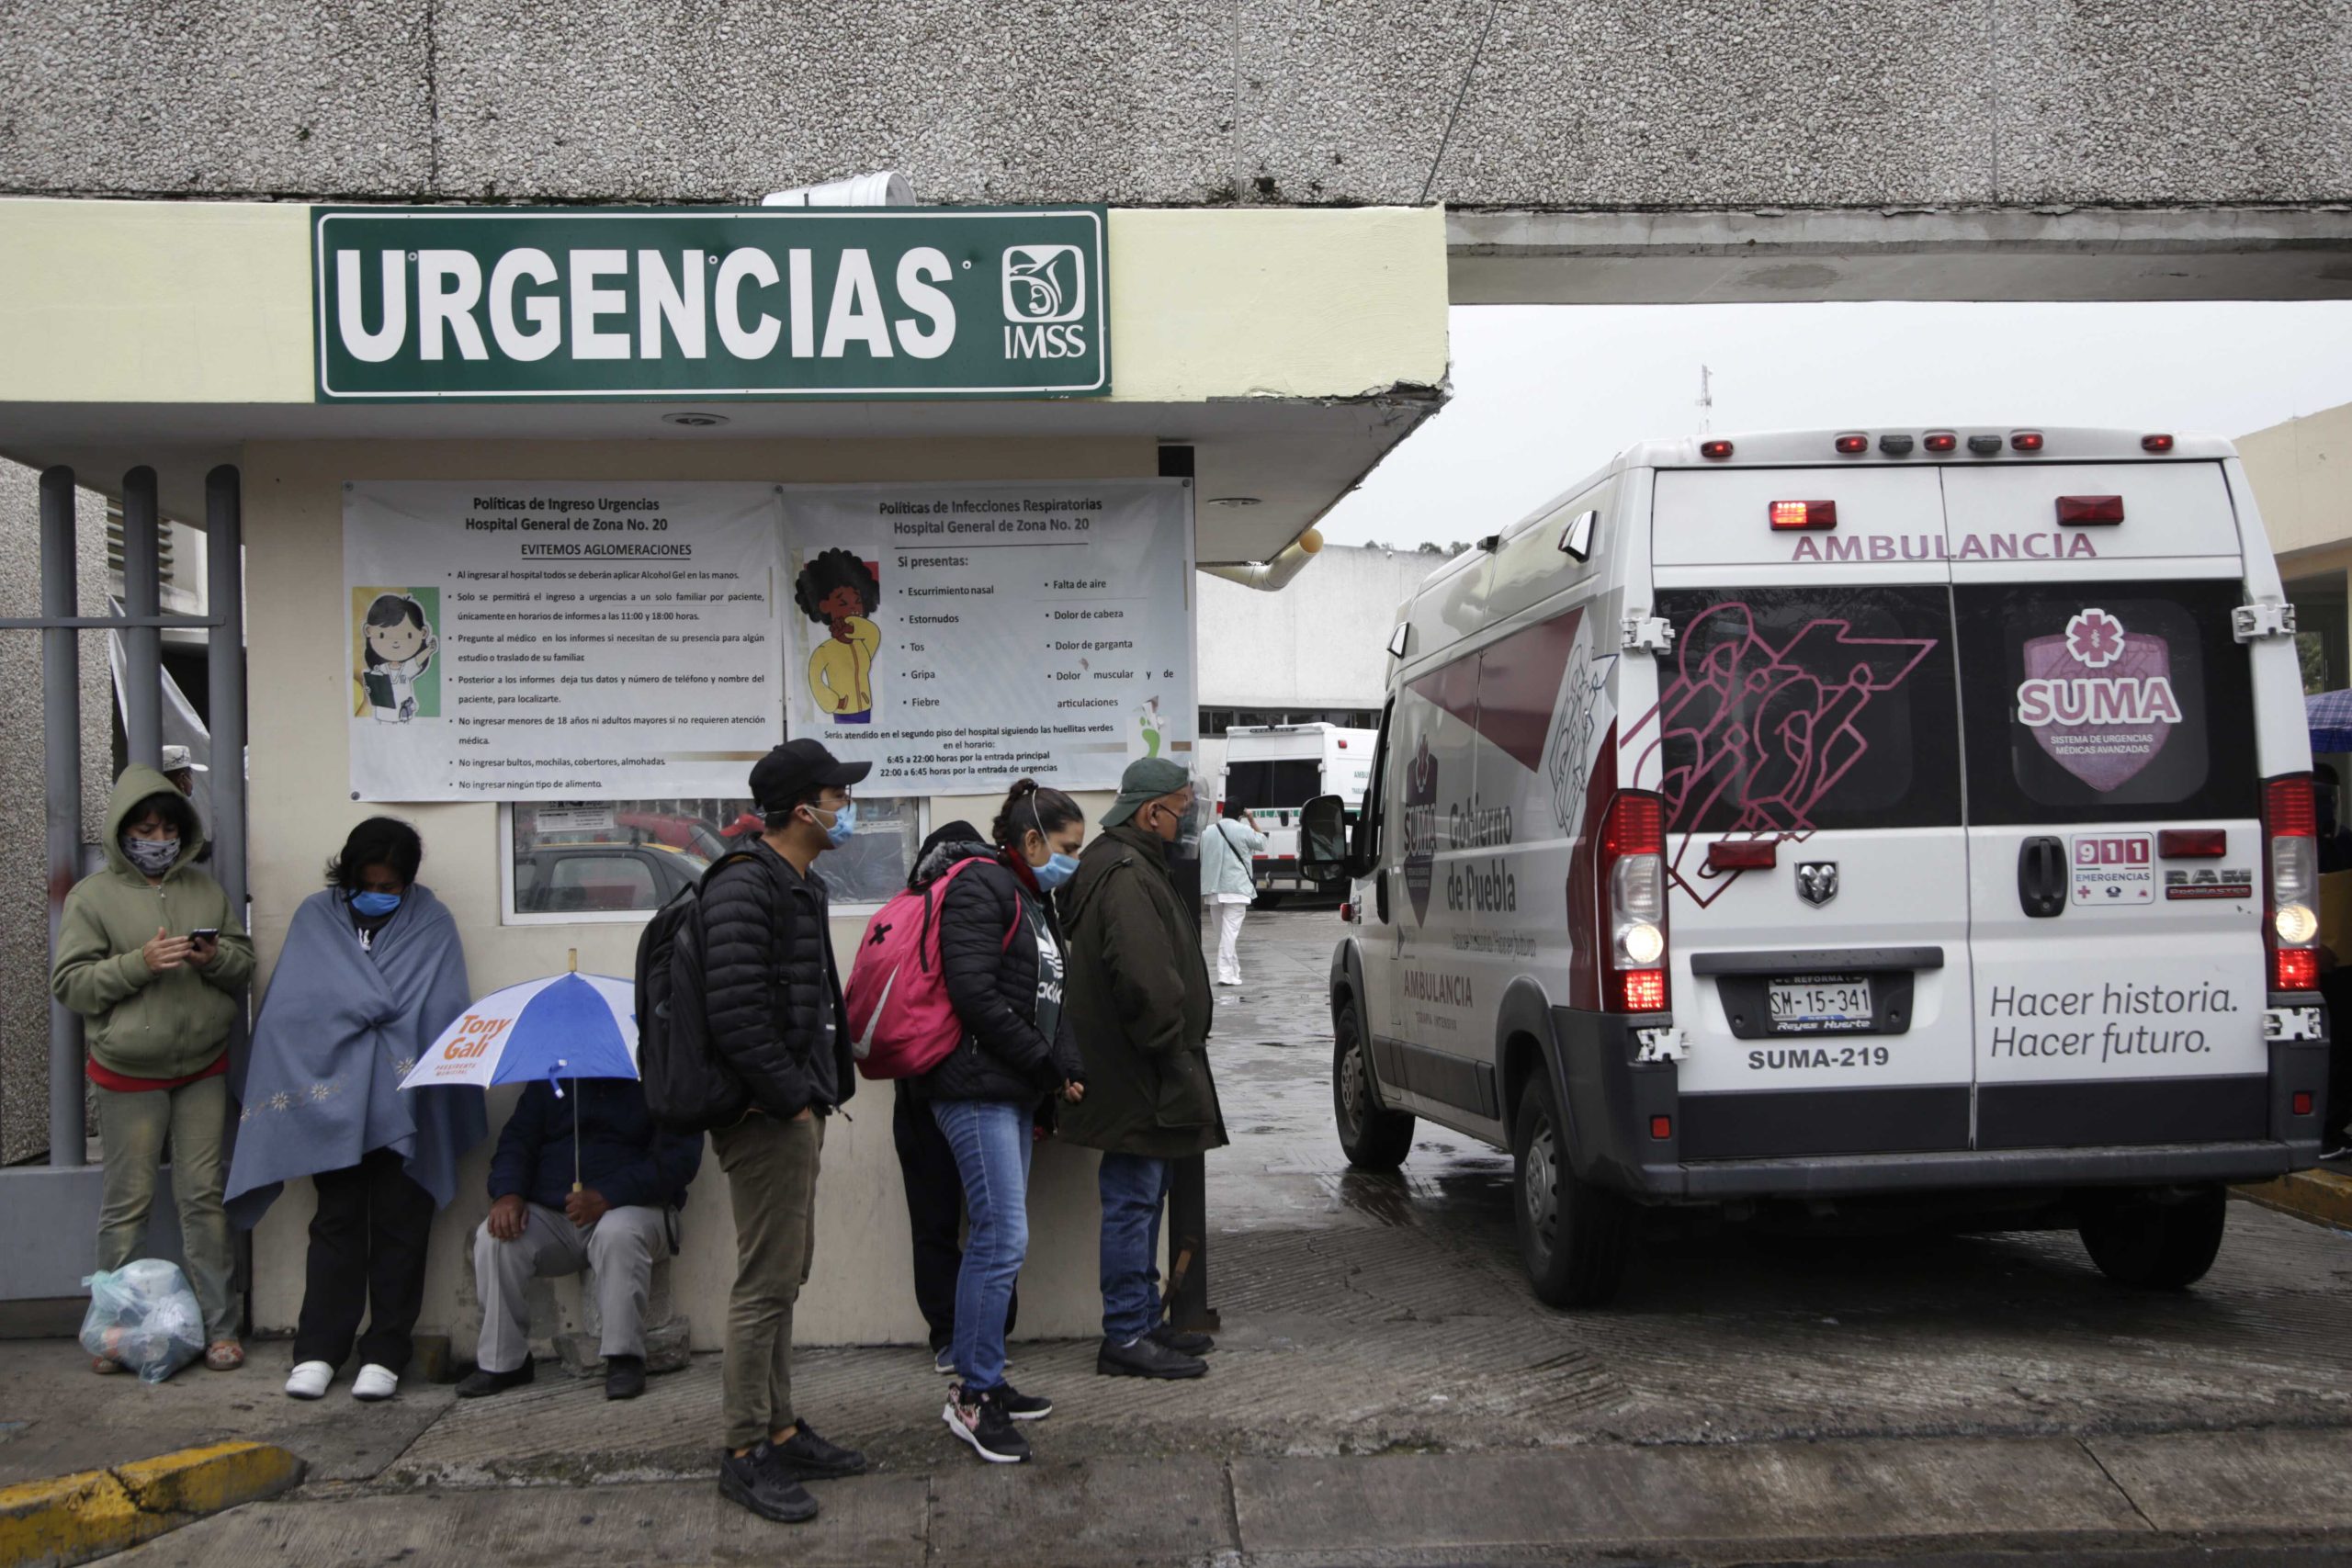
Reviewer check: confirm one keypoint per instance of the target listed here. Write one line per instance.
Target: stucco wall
(24, 856)
(2302, 472)
(1322, 642)
(1150, 102)
(862, 1290)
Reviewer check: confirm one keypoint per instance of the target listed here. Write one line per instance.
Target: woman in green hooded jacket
(153, 957)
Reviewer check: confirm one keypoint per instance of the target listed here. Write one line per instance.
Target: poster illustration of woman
(839, 592)
(397, 647)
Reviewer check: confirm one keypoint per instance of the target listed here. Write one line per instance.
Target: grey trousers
(133, 1128)
(618, 1251)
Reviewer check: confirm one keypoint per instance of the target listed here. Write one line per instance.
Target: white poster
(962, 636)
(512, 640)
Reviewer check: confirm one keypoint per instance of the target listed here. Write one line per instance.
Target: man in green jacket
(151, 956)
(1139, 1001)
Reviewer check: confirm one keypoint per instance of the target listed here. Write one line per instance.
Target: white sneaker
(309, 1380)
(375, 1383)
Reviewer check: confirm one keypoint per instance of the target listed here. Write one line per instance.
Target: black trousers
(368, 1243)
(935, 1213)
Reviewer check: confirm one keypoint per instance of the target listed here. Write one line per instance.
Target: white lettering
(541, 309)
(588, 302)
(371, 348)
(674, 302)
(915, 267)
(752, 341)
(804, 304)
(448, 287)
(856, 310)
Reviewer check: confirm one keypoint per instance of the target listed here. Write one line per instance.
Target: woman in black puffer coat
(1001, 955)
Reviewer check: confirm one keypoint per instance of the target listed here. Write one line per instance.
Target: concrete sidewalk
(1758, 1502)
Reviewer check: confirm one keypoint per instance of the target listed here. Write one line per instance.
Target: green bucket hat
(1146, 779)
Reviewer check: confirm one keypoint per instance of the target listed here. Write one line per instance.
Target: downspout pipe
(60, 676)
(1272, 576)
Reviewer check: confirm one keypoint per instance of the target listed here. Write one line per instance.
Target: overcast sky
(1545, 395)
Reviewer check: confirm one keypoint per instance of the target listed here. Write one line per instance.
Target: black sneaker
(1146, 1358)
(1184, 1342)
(808, 1457)
(479, 1385)
(987, 1425)
(624, 1377)
(758, 1482)
(1023, 1407)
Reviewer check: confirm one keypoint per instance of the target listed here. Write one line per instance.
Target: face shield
(1187, 844)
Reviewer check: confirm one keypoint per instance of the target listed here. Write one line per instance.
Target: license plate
(1836, 1004)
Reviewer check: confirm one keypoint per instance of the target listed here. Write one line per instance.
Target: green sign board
(523, 304)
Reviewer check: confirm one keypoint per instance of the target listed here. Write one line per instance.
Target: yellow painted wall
(184, 301)
(2302, 472)
(301, 807)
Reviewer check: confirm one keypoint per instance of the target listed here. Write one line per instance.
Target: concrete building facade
(2301, 471)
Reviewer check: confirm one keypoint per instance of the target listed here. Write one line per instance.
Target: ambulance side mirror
(1323, 838)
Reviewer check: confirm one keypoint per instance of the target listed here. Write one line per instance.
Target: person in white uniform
(1228, 885)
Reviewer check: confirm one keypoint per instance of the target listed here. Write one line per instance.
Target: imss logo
(1045, 299)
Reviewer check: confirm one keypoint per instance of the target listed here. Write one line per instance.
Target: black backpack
(689, 1088)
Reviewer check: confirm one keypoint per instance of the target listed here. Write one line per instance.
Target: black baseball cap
(797, 769)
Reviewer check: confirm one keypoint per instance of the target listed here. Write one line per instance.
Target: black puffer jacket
(992, 983)
(769, 991)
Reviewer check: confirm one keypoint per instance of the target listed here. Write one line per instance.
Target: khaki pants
(617, 1252)
(771, 1170)
(132, 1128)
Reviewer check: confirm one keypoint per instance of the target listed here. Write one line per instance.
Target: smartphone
(205, 933)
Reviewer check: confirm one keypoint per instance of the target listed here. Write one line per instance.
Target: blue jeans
(992, 1143)
(1135, 1189)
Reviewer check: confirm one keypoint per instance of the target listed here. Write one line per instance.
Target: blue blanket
(340, 1026)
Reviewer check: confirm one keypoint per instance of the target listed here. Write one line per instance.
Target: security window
(594, 861)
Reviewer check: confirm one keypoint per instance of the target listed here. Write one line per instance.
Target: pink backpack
(901, 1023)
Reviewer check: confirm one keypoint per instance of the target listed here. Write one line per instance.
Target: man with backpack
(774, 1020)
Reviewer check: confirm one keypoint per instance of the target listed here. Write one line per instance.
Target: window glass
(1801, 709)
(1281, 785)
(2097, 701)
(605, 858)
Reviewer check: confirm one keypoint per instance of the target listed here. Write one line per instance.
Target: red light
(2091, 509)
(2296, 969)
(1941, 441)
(1636, 825)
(1662, 1127)
(1791, 514)
(1716, 450)
(2302, 1105)
(1853, 446)
(1348, 912)
(1343, 745)
(2193, 843)
(1744, 854)
(2156, 444)
(2026, 441)
(2287, 809)
(1645, 990)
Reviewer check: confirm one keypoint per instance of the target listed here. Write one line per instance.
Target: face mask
(374, 904)
(844, 823)
(1057, 870)
(152, 856)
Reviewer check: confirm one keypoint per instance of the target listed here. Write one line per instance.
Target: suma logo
(2098, 699)
(1420, 828)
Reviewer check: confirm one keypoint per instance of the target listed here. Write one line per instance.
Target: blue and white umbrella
(2329, 714)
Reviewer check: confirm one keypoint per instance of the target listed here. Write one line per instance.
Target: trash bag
(143, 1315)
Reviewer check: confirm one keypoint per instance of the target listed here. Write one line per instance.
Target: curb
(73, 1518)
(2323, 1197)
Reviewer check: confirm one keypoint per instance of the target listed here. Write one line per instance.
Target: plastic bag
(143, 1315)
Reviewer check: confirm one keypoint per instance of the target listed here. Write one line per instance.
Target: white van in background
(1271, 771)
(1863, 825)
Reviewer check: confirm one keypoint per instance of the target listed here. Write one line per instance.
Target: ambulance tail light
(2156, 444)
(1788, 515)
(1853, 443)
(1714, 451)
(1633, 869)
(2291, 824)
(2081, 509)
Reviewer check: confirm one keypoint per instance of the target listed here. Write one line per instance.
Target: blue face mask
(844, 824)
(1055, 872)
(374, 904)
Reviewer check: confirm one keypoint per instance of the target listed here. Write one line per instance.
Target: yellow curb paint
(2320, 1196)
(73, 1518)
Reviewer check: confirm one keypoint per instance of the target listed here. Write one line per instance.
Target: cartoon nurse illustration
(839, 592)
(399, 650)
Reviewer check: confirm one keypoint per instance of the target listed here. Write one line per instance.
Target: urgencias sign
(529, 304)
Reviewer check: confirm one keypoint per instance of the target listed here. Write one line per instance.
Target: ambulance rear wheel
(2136, 1240)
(1372, 1138)
(1571, 1234)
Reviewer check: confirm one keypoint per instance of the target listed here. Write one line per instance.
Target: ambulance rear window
(2095, 702)
(1800, 709)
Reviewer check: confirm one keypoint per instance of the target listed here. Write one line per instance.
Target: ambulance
(1892, 826)
(1271, 771)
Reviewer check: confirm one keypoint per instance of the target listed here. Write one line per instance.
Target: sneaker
(987, 1425)
(808, 1457)
(1183, 1341)
(1023, 1407)
(758, 1482)
(942, 1360)
(1146, 1358)
(624, 1377)
(478, 1384)
(375, 1383)
(309, 1380)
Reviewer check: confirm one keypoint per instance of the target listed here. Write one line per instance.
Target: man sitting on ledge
(605, 1207)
